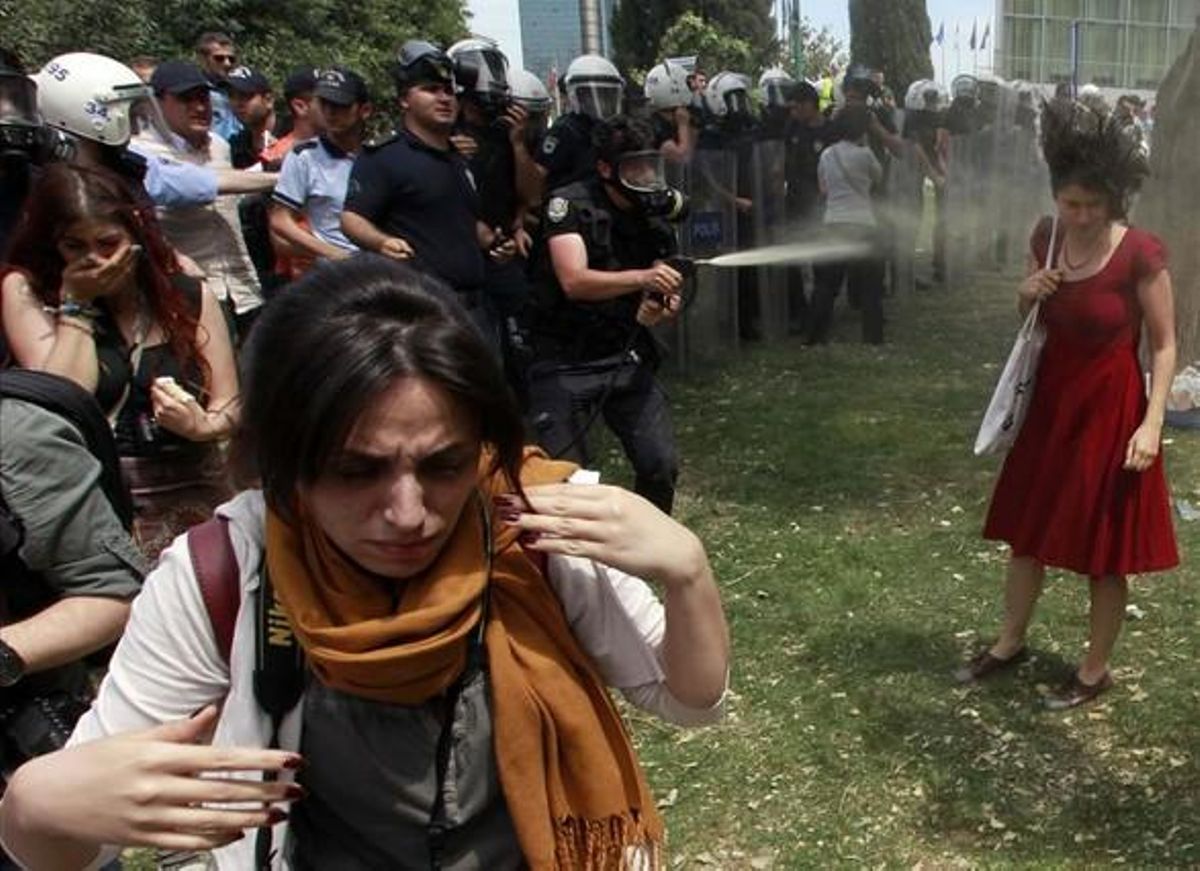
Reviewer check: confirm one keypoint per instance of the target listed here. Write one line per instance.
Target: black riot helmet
(21, 132)
(419, 62)
(481, 73)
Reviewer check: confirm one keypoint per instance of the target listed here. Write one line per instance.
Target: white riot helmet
(480, 71)
(594, 87)
(728, 94)
(924, 95)
(667, 87)
(965, 86)
(527, 91)
(773, 84)
(90, 96)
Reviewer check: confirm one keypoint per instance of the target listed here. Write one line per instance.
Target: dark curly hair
(620, 135)
(1093, 150)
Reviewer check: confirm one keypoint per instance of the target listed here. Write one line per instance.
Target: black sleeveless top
(135, 430)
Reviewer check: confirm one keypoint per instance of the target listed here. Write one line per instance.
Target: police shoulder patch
(557, 209)
(376, 144)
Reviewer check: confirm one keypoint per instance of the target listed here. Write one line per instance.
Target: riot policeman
(669, 99)
(774, 85)
(528, 92)
(925, 128)
(491, 134)
(22, 139)
(595, 91)
(733, 129)
(599, 281)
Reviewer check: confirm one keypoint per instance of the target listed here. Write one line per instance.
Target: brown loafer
(1075, 692)
(984, 664)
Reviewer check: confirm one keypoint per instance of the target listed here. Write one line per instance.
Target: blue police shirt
(313, 180)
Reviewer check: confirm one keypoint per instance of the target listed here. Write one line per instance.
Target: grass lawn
(840, 502)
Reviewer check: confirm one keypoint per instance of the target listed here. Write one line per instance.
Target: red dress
(1063, 497)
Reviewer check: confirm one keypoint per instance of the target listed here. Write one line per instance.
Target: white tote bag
(1010, 401)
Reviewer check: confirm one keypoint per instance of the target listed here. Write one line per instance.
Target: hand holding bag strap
(219, 576)
(1031, 321)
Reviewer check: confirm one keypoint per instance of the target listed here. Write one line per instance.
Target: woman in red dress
(1083, 487)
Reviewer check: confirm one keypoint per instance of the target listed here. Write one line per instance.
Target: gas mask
(22, 135)
(641, 178)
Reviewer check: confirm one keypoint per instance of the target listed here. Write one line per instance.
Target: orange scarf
(573, 786)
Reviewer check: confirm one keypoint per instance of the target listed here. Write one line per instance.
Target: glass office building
(552, 33)
(1125, 44)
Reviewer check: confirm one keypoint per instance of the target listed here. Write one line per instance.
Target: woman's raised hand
(1040, 284)
(90, 278)
(156, 788)
(609, 525)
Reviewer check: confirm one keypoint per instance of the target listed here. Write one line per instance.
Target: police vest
(579, 331)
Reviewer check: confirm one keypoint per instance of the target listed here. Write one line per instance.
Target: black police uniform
(567, 153)
(494, 168)
(592, 357)
(425, 196)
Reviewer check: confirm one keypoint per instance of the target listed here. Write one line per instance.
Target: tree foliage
(692, 35)
(639, 31)
(819, 49)
(275, 37)
(893, 36)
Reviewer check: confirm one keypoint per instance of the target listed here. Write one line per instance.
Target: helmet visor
(599, 100)
(737, 102)
(18, 100)
(642, 171)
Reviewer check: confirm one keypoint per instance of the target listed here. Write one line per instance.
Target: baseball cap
(177, 77)
(342, 86)
(302, 80)
(247, 81)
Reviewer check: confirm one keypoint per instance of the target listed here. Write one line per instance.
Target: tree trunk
(893, 36)
(1168, 203)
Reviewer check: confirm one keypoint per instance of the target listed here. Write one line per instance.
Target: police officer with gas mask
(23, 140)
(599, 282)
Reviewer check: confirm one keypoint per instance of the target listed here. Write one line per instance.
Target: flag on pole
(987, 32)
(940, 39)
(974, 33)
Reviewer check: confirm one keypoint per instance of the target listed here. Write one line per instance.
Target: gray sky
(500, 20)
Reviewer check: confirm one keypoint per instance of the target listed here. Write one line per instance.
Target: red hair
(66, 194)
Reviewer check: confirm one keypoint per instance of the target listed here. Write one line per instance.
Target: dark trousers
(564, 398)
(864, 279)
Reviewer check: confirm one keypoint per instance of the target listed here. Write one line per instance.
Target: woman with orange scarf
(462, 605)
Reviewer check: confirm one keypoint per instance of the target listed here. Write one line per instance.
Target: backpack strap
(219, 576)
(279, 671)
